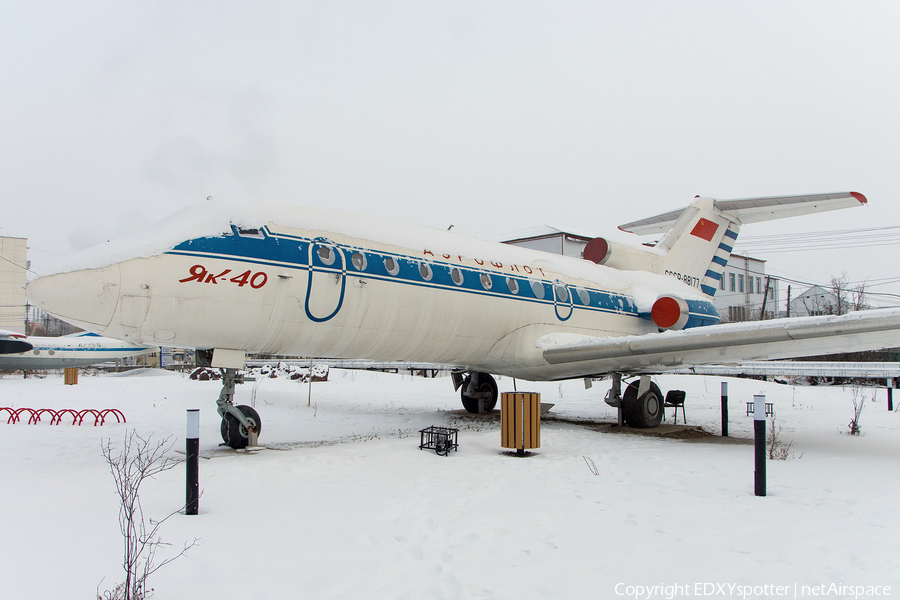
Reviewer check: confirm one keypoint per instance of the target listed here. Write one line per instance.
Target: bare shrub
(859, 400)
(778, 450)
(140, 459)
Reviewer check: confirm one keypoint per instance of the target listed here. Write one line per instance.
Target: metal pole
(192, 466)
(759, 436)
(309, 396)
(762, 311)
(890, 385)
(724, 409)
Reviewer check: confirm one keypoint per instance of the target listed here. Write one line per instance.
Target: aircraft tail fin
(700, 238)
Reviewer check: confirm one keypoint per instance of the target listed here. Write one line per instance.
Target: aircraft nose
(84, 298)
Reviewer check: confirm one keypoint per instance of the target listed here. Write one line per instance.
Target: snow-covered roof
(540, 231)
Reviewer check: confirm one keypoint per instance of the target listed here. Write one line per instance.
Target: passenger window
(391, 265)
(359, 261)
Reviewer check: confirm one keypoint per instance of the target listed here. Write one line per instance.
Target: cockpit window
(251, 232)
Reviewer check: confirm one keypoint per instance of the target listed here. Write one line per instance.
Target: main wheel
(486, 383)
(236, 435)
(643, 412)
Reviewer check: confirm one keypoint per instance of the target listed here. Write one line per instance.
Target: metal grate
(440, 439)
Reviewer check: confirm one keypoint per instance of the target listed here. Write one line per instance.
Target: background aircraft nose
(84, 298)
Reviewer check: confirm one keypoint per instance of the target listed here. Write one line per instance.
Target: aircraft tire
(643, 412)
(486, 383)
(233, 433)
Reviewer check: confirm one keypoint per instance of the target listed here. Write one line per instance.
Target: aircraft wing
(799, 368)
(717, 344)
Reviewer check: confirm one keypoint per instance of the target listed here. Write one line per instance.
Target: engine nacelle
(670, 312)
(604, 252)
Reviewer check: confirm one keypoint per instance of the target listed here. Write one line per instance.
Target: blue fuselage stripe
(292, 252)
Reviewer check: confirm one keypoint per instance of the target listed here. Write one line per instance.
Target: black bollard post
(724, 409)
(192, 466)
(759, 436)
(890, 386)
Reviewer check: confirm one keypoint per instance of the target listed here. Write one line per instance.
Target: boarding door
(327, 280)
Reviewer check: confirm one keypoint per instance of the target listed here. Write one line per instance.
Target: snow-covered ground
(369, 515)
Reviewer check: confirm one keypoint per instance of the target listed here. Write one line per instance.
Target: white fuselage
(334, 291)
(70, 351)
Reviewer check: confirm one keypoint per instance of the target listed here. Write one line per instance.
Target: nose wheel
(234, 433)
(241, 424)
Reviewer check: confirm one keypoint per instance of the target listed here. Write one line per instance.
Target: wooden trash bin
(70, 375)
(520, 421)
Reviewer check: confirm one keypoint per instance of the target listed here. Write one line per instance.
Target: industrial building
(13, 265)
(745, 292)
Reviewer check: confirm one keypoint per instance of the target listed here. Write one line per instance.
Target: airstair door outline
(327, 280)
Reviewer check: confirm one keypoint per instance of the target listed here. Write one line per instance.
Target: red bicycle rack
(63, 412)
(56, 416)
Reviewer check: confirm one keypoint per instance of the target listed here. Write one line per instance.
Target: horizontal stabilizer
(755, 210)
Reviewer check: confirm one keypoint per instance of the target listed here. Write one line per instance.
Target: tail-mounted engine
(618, 256)
(670, 312)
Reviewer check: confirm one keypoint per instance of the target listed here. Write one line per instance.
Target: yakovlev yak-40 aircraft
(298, 281)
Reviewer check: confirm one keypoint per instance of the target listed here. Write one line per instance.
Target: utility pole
(762, 312)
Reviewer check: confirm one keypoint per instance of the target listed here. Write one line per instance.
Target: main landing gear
(241, 424)
(478, 391)
(642, 403)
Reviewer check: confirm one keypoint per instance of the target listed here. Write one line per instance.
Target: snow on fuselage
(328, 284)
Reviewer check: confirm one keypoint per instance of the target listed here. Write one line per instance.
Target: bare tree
(140, 459)
(845, 298)
(840, 305)
(859, 299)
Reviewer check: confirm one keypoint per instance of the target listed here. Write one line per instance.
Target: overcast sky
(492, 116)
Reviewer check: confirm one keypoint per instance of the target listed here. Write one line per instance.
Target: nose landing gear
(241, 424)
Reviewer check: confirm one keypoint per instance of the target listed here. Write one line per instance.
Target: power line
(821, 240)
